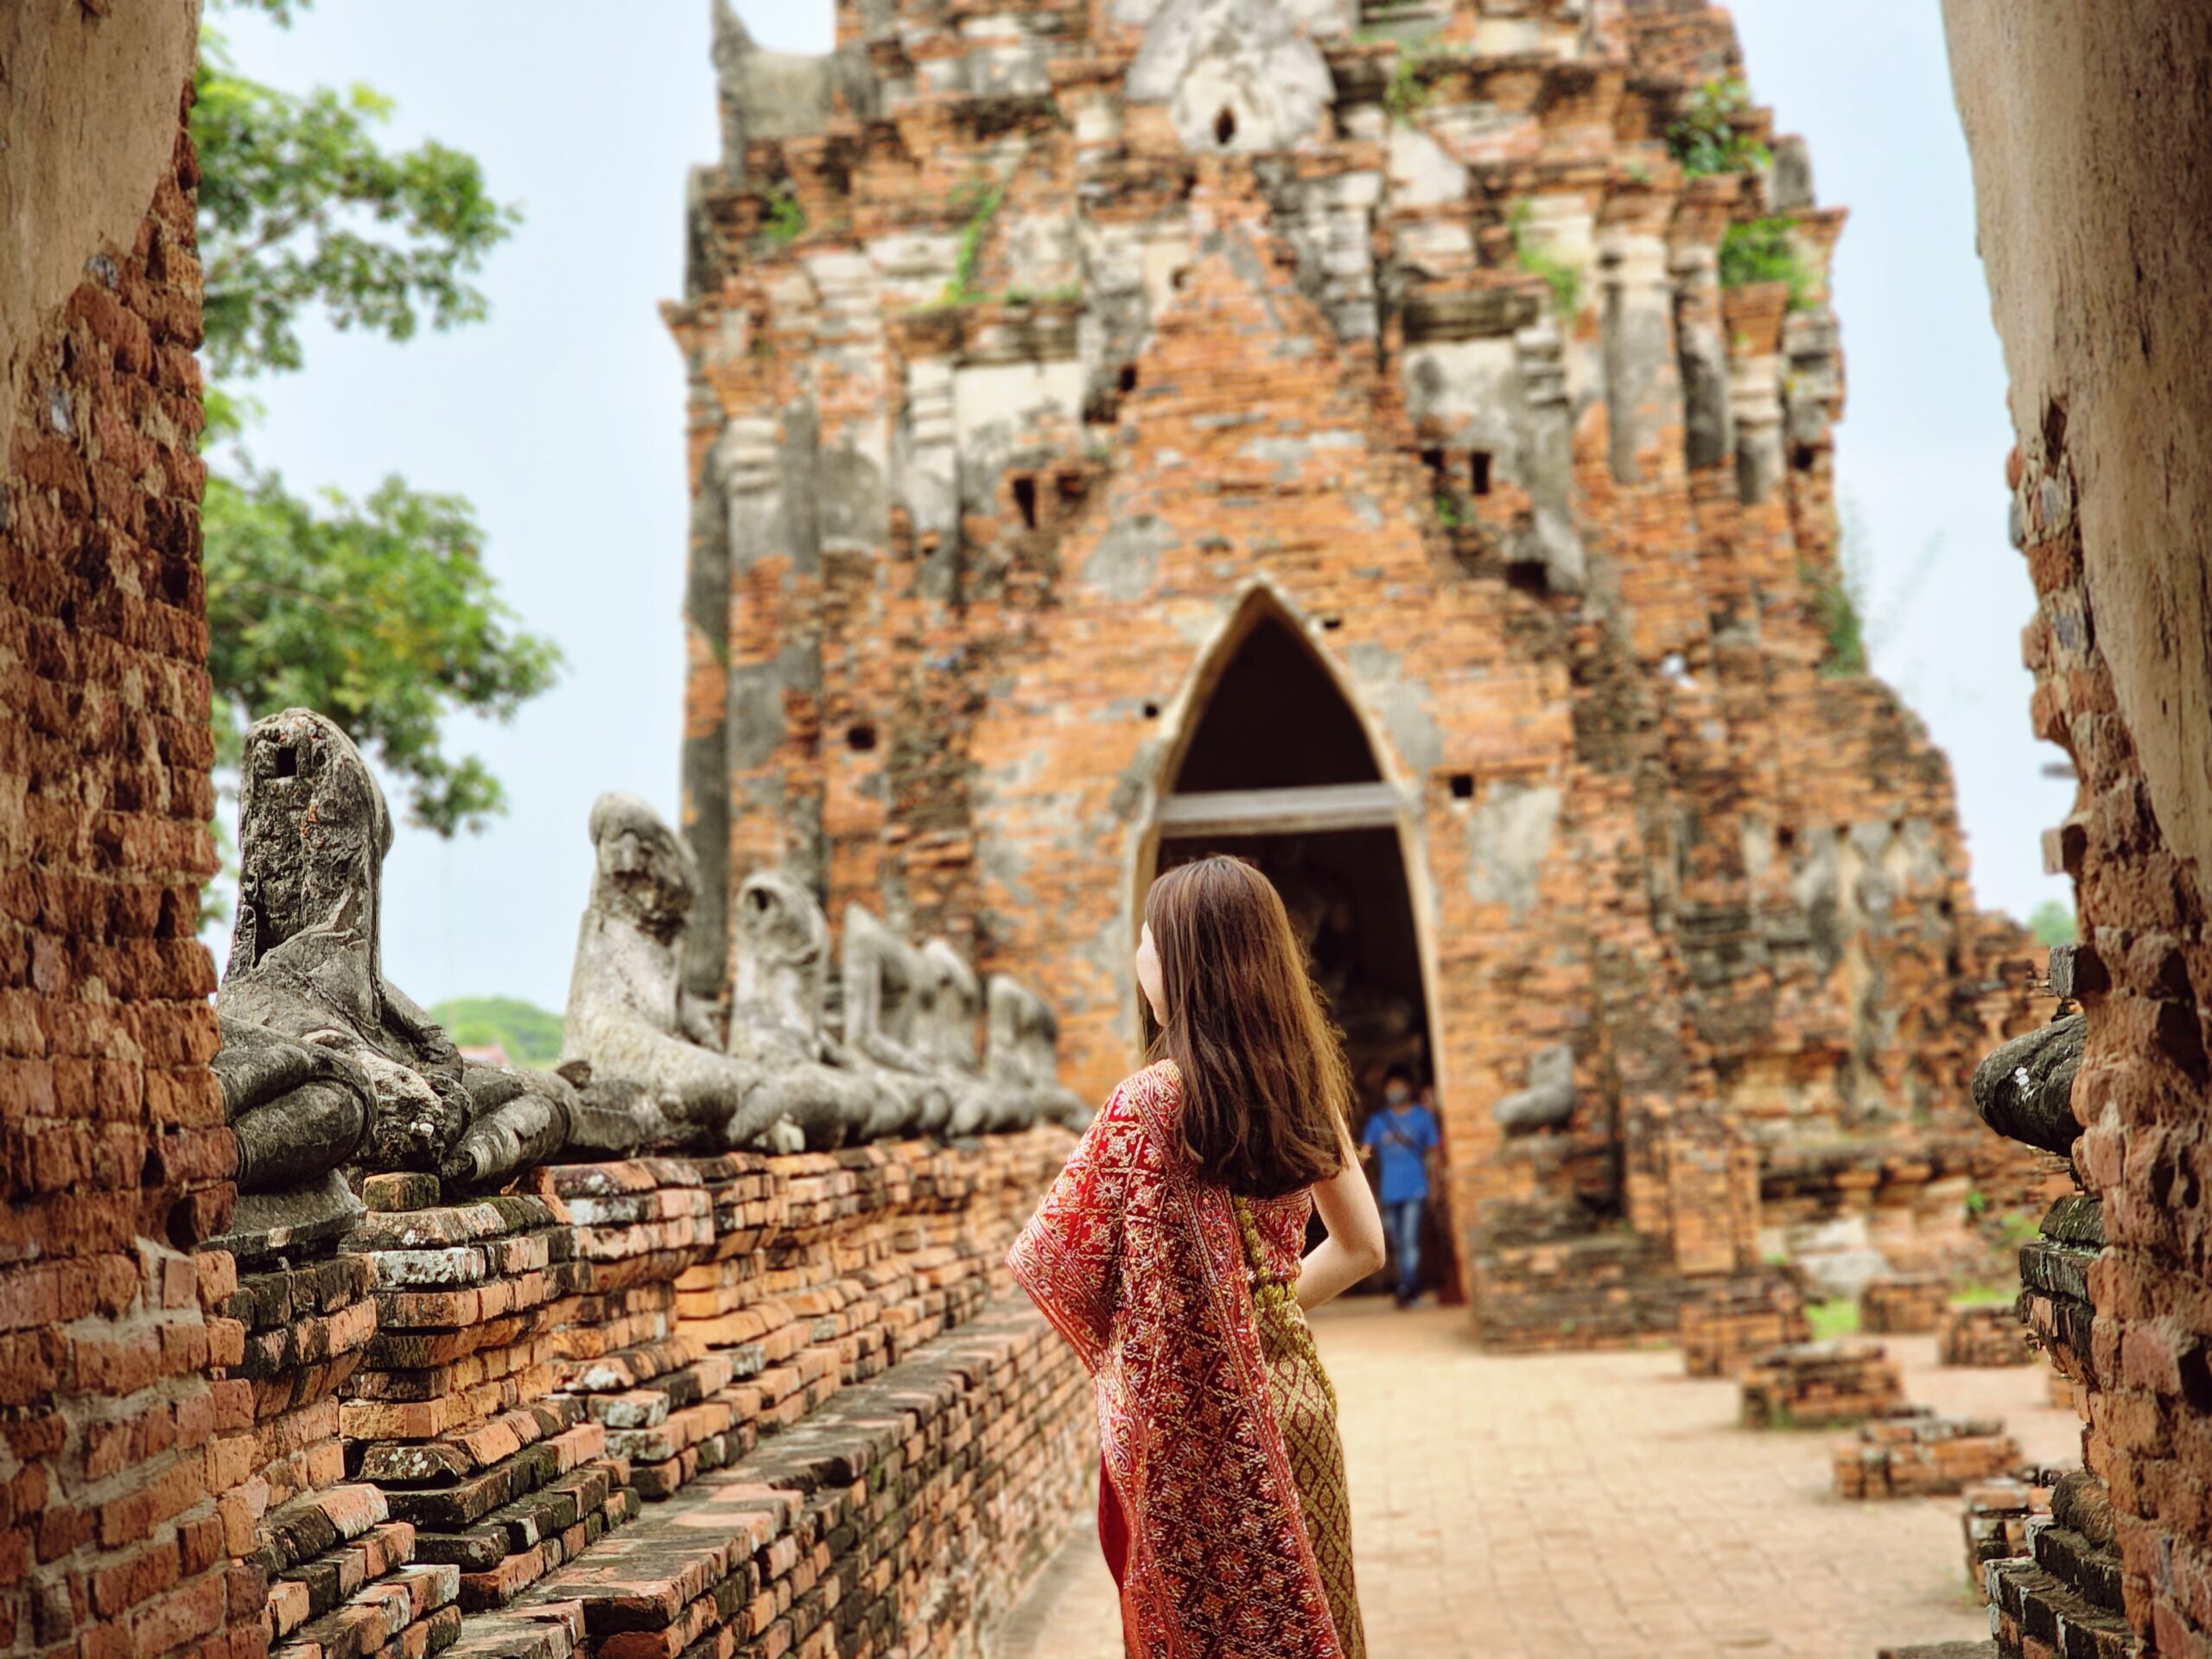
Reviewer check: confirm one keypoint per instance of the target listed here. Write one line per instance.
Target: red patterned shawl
(1138, 1262)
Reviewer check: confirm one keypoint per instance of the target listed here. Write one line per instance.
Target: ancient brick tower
(1348, 435)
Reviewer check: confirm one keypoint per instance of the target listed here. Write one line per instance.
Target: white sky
(561, 417)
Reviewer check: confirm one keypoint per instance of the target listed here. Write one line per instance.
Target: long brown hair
(1265, 1085)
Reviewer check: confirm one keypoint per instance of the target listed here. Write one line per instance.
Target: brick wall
(116, 1159)
(772, 1405)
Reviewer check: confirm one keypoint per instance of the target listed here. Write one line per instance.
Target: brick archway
(1274, 760)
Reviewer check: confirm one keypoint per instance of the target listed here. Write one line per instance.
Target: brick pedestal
(1989, 1334)
(1819, 1382)
(1730, 1324)
(1903, 1304)
(1922, 1455)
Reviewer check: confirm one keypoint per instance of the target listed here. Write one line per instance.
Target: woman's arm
(1354, 1247)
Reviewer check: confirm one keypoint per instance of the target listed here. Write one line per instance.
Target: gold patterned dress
(1305, 1400)
(1222, 1510)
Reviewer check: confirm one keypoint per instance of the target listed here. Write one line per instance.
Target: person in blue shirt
(1400, 1137)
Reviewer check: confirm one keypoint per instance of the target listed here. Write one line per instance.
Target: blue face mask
(1396, 1097)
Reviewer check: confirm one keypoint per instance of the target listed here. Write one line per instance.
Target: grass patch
(1835, 1317)
(1986, 1296)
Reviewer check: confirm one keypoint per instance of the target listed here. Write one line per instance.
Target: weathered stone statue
(949, 1017)
(1021, 1052)
(324, 1061)
(882, 979)
(782, 969)
(644, 1038)
(1548, 1100)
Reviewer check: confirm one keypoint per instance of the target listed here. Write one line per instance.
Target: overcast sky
(561, 417)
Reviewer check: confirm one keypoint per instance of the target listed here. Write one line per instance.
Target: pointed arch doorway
(1274, 765)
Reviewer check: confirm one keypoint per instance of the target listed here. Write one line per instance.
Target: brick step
(457, 1507)
(633, 1367)
(460, 1453)
(448, 1225)
(373, 1421)
(650, 1403)
(402, 1347)
(2032, 1604)
(737, 1552)
(409, 1614)
(553, 1509)
(497, 1586)
(264, 1301)
(2093, 1574)
(307, 1590)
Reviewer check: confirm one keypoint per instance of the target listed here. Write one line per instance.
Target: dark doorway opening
(1280, 748)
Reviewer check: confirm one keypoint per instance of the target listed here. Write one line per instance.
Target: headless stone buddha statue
(642, 1039)
(1021, 1053)
(324, 1061)
(949, 1018)
(882, 979)
(782, 965)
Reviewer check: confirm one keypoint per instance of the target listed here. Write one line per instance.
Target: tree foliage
(2052, 922)
(300, 207)
(530, 1036)
(379, 612)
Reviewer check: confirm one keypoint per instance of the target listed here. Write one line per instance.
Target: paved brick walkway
(1601, 1506)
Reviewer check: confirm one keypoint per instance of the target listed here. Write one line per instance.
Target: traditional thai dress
(1224, 1507)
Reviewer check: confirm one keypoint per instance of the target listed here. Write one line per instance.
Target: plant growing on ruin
(1764, 251)
(379, 613)
(1709, 136)
(1836, 609)
(1561, 276)
(1449, 514)
(981, 203)
(784, 222)
(1407, 91)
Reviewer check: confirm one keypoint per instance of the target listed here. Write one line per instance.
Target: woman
(1168, 1253)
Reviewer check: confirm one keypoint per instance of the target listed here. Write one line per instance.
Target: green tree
(380, 612)
(2052, 922)
(530, 1036)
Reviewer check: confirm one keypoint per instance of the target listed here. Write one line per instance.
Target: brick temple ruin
(1342, 436)
(548, 1399)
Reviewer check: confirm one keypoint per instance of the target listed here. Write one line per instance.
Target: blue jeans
(1401, 1222)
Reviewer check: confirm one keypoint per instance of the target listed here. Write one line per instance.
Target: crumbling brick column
(116, 1453)
(2086, 136)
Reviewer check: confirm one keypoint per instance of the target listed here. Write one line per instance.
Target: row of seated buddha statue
(326, 1066)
